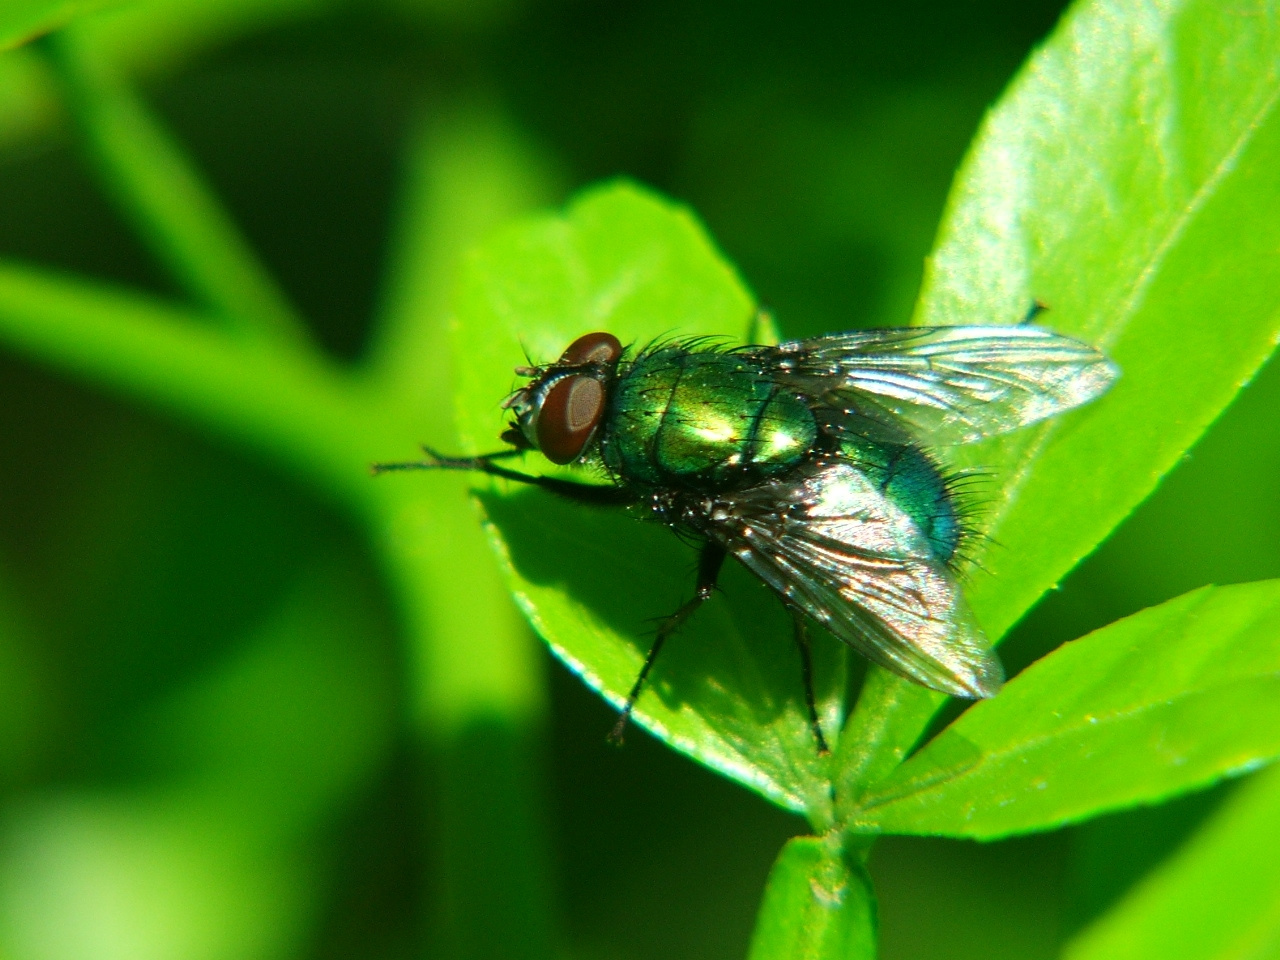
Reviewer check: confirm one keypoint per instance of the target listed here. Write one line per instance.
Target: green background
(209, 723)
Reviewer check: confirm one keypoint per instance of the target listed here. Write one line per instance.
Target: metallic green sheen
(908, 477)
(702, 421)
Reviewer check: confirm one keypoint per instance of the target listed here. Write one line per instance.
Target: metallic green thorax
(703, 421)
(712, 422)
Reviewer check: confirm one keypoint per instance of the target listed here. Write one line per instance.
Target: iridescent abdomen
(906, 475)
(706, 421)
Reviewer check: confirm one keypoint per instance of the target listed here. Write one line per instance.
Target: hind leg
(800, 630)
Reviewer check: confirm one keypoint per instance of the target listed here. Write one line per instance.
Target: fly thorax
(705, 421)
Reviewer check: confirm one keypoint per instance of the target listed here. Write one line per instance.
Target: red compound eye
(569, 415)
(592, 348)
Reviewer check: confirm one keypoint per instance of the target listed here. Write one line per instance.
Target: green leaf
(466, 172)
(1127, 181)
(1165, 701)
(727, 689)
(22, 20)
(209, 853)
(817, 906)
(1217, 897)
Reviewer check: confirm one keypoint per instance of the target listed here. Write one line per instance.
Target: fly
(807, 463)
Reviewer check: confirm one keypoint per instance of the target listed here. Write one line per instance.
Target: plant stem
(468, 171)
(157, 187)
(283, 405)
(890, 717)
(818, 905)
(477, 678)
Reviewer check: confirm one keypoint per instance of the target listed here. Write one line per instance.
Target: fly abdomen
(907, 476)
(706, 421)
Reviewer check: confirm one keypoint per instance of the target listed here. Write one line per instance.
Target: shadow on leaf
(599, 579)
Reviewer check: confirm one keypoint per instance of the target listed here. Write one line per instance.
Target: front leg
(594, 494)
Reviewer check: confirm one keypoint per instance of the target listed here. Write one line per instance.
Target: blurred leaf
(286, 405)
(246, 764)
(1111, 853)
(27, 702)
(293, 725)
(816, 907)
(1126, 180)
(28, 101)
(153, 35)
(22, 20)
(469, 170)
(476, 673)
(1217, 897)
(146, 877)
(727, 689)
(464, 16)
(1168, 700)
(136, 36)
(830, 204)
(490, 844)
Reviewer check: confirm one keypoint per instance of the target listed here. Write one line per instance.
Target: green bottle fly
(805, 462)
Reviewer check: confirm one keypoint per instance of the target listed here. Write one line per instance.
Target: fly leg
(435, 460)
(800, 631)
(709, 562)
(599, 495)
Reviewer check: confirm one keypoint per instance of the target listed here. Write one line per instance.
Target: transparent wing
(953, 384)
(830, 543)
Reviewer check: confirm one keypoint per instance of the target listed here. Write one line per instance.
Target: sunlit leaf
(1217, 897)
(727, 689)
(1168, 700)
(1127, 180)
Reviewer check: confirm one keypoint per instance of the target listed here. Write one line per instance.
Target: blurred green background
(207, 743)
